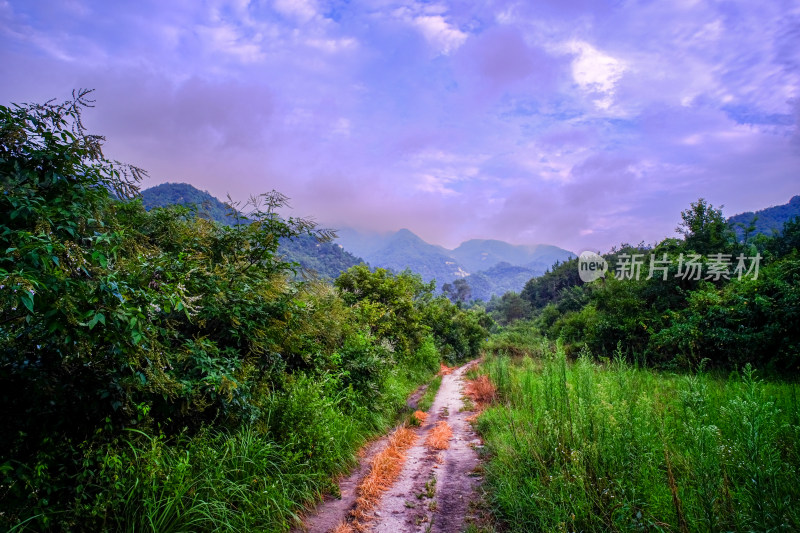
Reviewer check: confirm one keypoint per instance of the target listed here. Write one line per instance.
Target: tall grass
(253, 478)
(609, 447)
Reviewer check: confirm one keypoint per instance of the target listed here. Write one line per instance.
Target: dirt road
(437, 482)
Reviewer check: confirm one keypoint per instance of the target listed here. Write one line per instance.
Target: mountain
(477, 254)
(184, 194)
(403, 249)
(499, 279)
(770, 220)
(326, 259)
(489, 266)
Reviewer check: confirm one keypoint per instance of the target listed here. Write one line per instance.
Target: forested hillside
(768, 221)
(315, 257)
(489, 267)
(706, 299)
(204, 204)
(160, 371)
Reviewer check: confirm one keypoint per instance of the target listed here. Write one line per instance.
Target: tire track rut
(435, 488)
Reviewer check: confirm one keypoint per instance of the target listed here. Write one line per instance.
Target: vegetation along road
(432, 483)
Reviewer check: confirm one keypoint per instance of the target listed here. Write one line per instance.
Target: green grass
(253, 478)
(589, 447)
(426, 401)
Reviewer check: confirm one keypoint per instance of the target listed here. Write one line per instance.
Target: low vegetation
(651, 402)
(607, 446)
(688, 303)
(160, 371)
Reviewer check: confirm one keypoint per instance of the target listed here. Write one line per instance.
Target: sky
(578, 123)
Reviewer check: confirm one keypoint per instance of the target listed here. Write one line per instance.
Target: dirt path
(435, 487)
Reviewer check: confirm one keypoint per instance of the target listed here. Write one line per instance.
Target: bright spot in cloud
(302, 10)
(441, 35)
(596, 73)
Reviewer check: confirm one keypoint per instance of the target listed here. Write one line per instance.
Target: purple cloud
(581, 124)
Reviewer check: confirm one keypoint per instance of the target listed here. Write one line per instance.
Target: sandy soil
(435, 488)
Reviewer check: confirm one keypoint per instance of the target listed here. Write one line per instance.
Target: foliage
(672, 318)
(458, 292)
(315, 257)
(403, 313)
(588, 447)
(389, 304)
(162, 371)
(704, 228)
(206, 206)
(547, 288)
(508, 308)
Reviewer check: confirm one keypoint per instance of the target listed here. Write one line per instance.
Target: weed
(588, 447)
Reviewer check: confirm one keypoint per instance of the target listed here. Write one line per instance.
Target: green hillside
(207, 206)
(499, 279)
(324, 259)
(768, 221)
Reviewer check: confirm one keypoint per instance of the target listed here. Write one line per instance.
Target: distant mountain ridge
(326, 259)
(489, 266)
(770, 220)
(479, 254)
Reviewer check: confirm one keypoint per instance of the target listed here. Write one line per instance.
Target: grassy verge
(426, 401)
(588, 447)
(254, 478)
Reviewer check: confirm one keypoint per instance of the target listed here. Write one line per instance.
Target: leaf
(27, 300)
(98, 317)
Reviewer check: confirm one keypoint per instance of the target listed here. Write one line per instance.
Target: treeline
(161, 371)
(706, 299)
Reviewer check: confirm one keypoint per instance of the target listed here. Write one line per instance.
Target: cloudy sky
(580, 123)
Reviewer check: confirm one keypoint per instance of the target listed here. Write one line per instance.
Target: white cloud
(439, 171)
(596, 72)
(332, 46)
(227, 39)
(302, 10)
(431, 21)
(439, 33)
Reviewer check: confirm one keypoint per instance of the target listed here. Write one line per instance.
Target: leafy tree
(458, 292)
(705, 229)
(548, 288)
(66, 317)
(511, 307)
(789, 239)
(389, 304)
(458, 333)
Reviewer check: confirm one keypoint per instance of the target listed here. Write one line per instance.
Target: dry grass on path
(384, 470)
(481, 391)
(439, 437)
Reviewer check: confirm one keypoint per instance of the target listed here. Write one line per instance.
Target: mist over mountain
(481, 254)
(489, 266)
